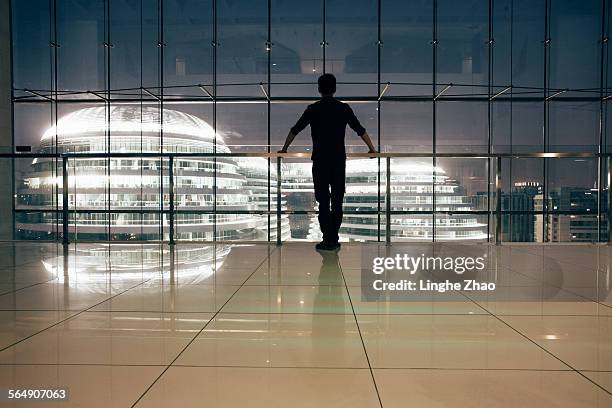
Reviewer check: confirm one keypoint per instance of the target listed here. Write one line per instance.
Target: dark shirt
(328, 119)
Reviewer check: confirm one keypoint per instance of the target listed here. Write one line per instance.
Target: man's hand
(366, 138)
(373, 151)
(290, 137)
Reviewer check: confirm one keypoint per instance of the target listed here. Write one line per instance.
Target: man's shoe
(321, 246)
(326, 246)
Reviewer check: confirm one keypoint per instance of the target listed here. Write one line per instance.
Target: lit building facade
(412, 185)
(121, 198)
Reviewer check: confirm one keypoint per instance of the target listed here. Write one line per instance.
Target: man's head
(327, 84)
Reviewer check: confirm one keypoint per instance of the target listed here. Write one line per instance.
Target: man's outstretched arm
(299, 126)
(366, 138)
(288, 142)
(353, 122)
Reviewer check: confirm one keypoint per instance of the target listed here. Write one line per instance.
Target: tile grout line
(69, 317)
(360, 334)
(539, 346)
(416, 368)
(27, 287)
(559, 287)
(215, 314)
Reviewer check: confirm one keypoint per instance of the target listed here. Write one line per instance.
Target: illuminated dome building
(411, 190)
(134, 183)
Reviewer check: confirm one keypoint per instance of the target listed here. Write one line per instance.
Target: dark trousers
(328, 177)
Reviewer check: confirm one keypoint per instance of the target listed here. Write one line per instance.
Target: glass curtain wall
(132, 79)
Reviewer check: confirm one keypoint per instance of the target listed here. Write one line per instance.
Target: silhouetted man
(328, 119)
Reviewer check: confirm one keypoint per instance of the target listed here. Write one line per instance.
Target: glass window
(462, 52)
(351, 30)
(461, 127)
(406, 55)
(528, 18)
(31, 36)
(242, 126)
(297, 47)
(242, 55)
(81, 33)
(134, 54)
(188, 51)
(517, 126)
(501, 27)
(193, 51)
(573, 126)
(406, 126)
(575, 47)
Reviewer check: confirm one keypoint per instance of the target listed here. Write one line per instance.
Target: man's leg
(337, 183)
(320, 178)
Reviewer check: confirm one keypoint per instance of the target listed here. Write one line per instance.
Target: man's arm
(366, 138)
(353, 122)
(299, 126)
(288, 141)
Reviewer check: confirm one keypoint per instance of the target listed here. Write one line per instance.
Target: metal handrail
(306, 155)
(387, 156)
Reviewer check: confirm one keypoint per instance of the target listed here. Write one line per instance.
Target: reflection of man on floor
(328, 118)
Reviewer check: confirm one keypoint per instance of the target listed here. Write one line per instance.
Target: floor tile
(110, 338)
(87, 386)
(290, 299)
(213, 276)
(16, 325)
(417, 303)
(584, 342)
(300, 274)
(12, 287)
(156, 297)
(262, 387)
(277, 340)
(488, 388)
(603, 378)
(442, 341)
(247, 256)
(284, 334)
(544, 300)
(60, 296)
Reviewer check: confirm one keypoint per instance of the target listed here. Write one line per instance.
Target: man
(328, 119)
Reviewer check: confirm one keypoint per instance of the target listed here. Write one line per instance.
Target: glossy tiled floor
(258, 325)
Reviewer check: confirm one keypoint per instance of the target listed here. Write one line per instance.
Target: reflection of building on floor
(569, 227)
(91, 263)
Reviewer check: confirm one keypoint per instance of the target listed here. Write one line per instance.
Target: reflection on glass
(296, 46)
(242, 57)
(462, 52)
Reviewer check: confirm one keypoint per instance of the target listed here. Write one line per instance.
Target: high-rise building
(570, 224)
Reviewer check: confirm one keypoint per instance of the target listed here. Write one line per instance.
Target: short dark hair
(327, 84)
